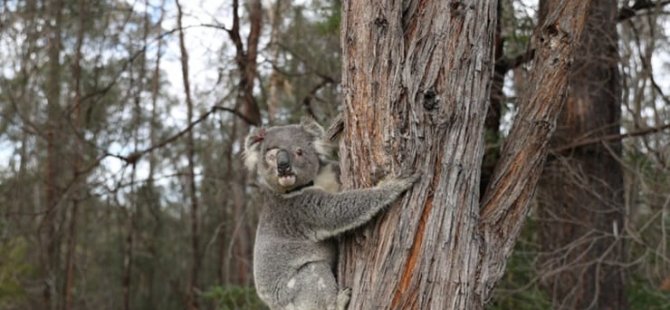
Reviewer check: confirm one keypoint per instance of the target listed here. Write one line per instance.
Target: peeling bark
(416, 78)
(415, 82)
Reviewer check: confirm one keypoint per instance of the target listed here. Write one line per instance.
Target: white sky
(204, 46)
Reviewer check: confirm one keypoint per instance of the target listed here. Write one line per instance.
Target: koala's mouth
(286, 180)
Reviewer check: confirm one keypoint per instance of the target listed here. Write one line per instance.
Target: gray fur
(294, 252)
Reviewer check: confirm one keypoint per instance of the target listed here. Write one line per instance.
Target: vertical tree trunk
(193, 193)
(275, 14)
(416, 78)
(245, 59)
(580, 195)
(128, 248)
(77, 158)
(48, 230)
(153, 137)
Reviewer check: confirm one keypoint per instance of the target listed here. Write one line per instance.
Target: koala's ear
(321, 144)
(311, 126)
(252, 148)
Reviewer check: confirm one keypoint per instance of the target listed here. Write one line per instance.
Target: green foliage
(332, 16)
(234, 297)
(519, 288)
(641, 295)
(309, 58)
(649, 221)
(13, 267)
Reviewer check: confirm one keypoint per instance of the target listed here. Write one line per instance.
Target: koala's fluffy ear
(321, 145)
(252, 148)
(311, 126)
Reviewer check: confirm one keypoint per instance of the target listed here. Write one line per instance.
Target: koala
(295, 252)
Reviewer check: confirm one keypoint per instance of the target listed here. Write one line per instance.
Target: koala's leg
(316, 288)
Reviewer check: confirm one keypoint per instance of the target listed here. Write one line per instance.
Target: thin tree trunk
(133, 210)
(128, 250)
(49, 238)
(275, 79)
(581, 203)
(153, 137)
(416, 78)
(27, 109)
(193, 193)
(226, 235)
(76, 161)
(245, 102)
(246, 59)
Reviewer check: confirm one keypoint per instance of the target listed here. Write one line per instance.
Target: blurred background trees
(120, 128)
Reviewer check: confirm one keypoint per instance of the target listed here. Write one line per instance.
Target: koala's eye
(298, 152)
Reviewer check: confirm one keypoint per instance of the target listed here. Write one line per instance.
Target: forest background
(121, 184)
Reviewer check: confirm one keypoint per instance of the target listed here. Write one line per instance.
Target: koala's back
(283, 247)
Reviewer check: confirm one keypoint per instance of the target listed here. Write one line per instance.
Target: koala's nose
(283, 162)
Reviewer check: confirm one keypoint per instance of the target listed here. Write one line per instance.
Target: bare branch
(639, 5)
(609, 138)
(134, 157)
(507, 63)
(246, 59)
(307, 101)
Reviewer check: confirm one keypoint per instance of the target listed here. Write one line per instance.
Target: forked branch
(507, 198)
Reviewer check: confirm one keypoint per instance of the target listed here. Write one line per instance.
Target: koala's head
(286, 157)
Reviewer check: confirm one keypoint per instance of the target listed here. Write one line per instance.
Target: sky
(204, 47)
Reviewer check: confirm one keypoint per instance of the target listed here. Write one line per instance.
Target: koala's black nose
(283, 162)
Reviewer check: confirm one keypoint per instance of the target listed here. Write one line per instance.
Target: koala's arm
(329, 215)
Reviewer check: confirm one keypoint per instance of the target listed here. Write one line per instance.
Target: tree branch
(609, 138)
(307, 101)
(246, 59)
(135, 156)
(507, 198)
(507, 63)
(639, 5)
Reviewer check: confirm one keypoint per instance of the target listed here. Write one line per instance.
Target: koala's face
(285, 157)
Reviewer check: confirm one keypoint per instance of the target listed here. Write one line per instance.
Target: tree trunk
(76, 163)
(193, 193)
(275, 16)
(153, 297)
(246, 104)
(48, 228)
(416, 78)
(580, 195)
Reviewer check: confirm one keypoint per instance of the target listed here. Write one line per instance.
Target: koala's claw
(343, 299)
(400, 184)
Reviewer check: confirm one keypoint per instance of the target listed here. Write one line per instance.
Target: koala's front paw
(399, 184)
(343, 299)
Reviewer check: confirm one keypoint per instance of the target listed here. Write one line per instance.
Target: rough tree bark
(416, 80)
(580, 195)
